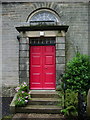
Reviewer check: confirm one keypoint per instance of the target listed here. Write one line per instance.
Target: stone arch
(53, 7)
(48, 15)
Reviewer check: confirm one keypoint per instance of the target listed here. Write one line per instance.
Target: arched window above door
(44, 16)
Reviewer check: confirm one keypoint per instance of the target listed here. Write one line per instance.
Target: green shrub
(70, 111)
(76, 78)
(77, 73)
(71, 103)
(71, 98)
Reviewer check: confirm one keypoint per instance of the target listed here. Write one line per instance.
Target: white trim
(46, 33)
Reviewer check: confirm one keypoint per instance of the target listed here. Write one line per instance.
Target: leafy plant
(22, 95)
(76, 79)
(77, 73)
(22, 87)
(8, 117)
(70, 111)
(71, 98)
(61, 97)
(20, 101)
(71, 103)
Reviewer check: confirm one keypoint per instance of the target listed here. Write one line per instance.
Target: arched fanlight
(43, 17)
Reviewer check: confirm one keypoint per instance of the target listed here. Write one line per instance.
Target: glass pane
(43, 17)
(42, 41)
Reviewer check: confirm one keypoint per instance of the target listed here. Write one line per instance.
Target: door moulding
(59, 32)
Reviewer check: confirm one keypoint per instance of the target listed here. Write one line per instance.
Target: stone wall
(75, 15)
(24, 60)
(60, 57)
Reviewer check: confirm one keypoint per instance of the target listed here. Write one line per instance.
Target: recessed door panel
(49, 60)
(42, 67)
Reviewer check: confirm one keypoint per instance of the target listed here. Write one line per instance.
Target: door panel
(42, 67)
(49, 67)
(35, 67)
(48, 60)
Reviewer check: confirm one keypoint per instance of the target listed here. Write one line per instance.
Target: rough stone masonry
(14, 14)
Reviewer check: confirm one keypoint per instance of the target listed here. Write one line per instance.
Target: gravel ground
(5, 106)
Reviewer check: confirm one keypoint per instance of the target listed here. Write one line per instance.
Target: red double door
(42, 67)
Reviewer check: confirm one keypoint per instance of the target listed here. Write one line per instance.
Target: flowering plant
(22, 87)
(23, 95)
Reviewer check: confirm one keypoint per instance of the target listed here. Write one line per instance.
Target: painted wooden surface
(42, 67)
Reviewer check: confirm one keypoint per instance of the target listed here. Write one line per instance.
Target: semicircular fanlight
(43, 17)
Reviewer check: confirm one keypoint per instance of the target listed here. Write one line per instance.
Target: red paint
(42, 67)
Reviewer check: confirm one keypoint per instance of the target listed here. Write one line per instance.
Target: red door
(42, 67)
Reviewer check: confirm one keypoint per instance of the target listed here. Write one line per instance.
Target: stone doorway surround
(25, 33)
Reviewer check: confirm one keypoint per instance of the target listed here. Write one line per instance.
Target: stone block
(60, 52)
(60, 67)
(8, 91)
(24, 40)
(12, 105)
(24, 67)
(10, 73)
(59, 74)
(23, 60)
(60, 60)
(60, 46)
(60, 40)
(5, 91)
(24, 47)
(23, 73)
(12, 91)
(24, 53)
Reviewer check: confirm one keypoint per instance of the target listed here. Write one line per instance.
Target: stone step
(44, 94)
(44, 109)
(33, 116)
(44, 101)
